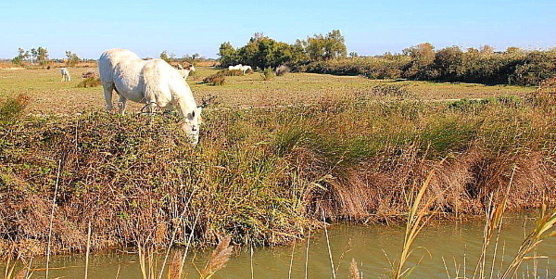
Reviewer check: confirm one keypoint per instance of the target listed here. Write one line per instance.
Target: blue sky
(186, 27)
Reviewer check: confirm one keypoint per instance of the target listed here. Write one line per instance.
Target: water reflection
(442, 249)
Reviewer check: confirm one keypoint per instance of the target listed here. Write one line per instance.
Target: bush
(12, 108)
(268, 74)
(232, 73)
(282, 70)
(395, 90)
(89, 82)
(217, 79)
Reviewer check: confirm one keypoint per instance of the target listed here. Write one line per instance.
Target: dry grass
(51, 96)
(262, 175)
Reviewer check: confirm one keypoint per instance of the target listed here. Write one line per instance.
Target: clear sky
(185, 27)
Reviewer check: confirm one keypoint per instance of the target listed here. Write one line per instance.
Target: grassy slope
(263, 174)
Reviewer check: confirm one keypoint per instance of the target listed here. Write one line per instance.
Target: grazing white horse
(152, 82)
(242, 68)
(65, 74)
(236, 67)
(185, 72)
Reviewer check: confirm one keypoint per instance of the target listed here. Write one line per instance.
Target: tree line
(40, 56)
(328, 54)
(264, 52)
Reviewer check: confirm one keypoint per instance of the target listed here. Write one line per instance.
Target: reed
(354, 272)
(544, 229)
(218, 259)
(417, 218)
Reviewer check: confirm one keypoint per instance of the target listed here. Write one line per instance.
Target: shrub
(217, 79)
(89, 82)
(395, 90)
(282, 70)
(13, 107)
(232, 73)
(268, 74)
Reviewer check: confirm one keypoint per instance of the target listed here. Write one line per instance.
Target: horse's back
(114, 59)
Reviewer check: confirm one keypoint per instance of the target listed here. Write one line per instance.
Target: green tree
(228, 55)
(327, 47)
(34, 55)
(164, 56)
(422, 59)
(449, 62)
(42, 55)
(72, 58)
(18, 60)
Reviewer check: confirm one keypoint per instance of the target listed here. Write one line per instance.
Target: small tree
(327, 47)
(72, 58)
(42, 55)
(18, 60)
(34, 55)
(164, 56)
(422, 58)
(228, 55)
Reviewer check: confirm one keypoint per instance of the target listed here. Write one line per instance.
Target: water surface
(445, 249)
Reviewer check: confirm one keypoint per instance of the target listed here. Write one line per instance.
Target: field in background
(50, 95)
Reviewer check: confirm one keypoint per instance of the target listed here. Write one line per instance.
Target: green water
(456, 243)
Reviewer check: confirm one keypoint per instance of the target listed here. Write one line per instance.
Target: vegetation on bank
(327, 54)
(264, 175)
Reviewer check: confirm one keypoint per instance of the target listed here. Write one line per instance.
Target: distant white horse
(236, 67)
(242, 68)
(185, 72)
(65, 74)
(152, 82)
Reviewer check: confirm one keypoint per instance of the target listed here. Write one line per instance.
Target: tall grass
(417, 218)
(264, 176)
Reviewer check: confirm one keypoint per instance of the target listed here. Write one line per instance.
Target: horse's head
(191, 124)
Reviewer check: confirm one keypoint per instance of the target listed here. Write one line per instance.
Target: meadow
(275, 158)
(49, 95)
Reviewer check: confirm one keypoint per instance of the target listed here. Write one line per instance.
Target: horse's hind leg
(108, 87)
(122, 104)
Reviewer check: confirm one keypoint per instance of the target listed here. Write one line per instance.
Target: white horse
(152, 82)
(65, 74)
(185, 72)
(242, 68)
(236, 67)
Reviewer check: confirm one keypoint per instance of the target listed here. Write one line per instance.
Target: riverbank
(265, 176)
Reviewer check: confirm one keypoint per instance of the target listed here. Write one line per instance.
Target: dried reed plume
(218, 259)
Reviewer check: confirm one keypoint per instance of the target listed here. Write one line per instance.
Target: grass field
(50, 95)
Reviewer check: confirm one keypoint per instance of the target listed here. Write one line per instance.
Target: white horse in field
(185, 72)
(236, 67)
(65, 74)
(242, 68)
(152, 82)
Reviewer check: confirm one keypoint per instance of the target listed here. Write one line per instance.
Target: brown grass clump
(89, 74)
(89, 82)
(12, 108)
(214, 80)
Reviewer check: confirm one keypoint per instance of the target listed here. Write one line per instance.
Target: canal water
(444, 249)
